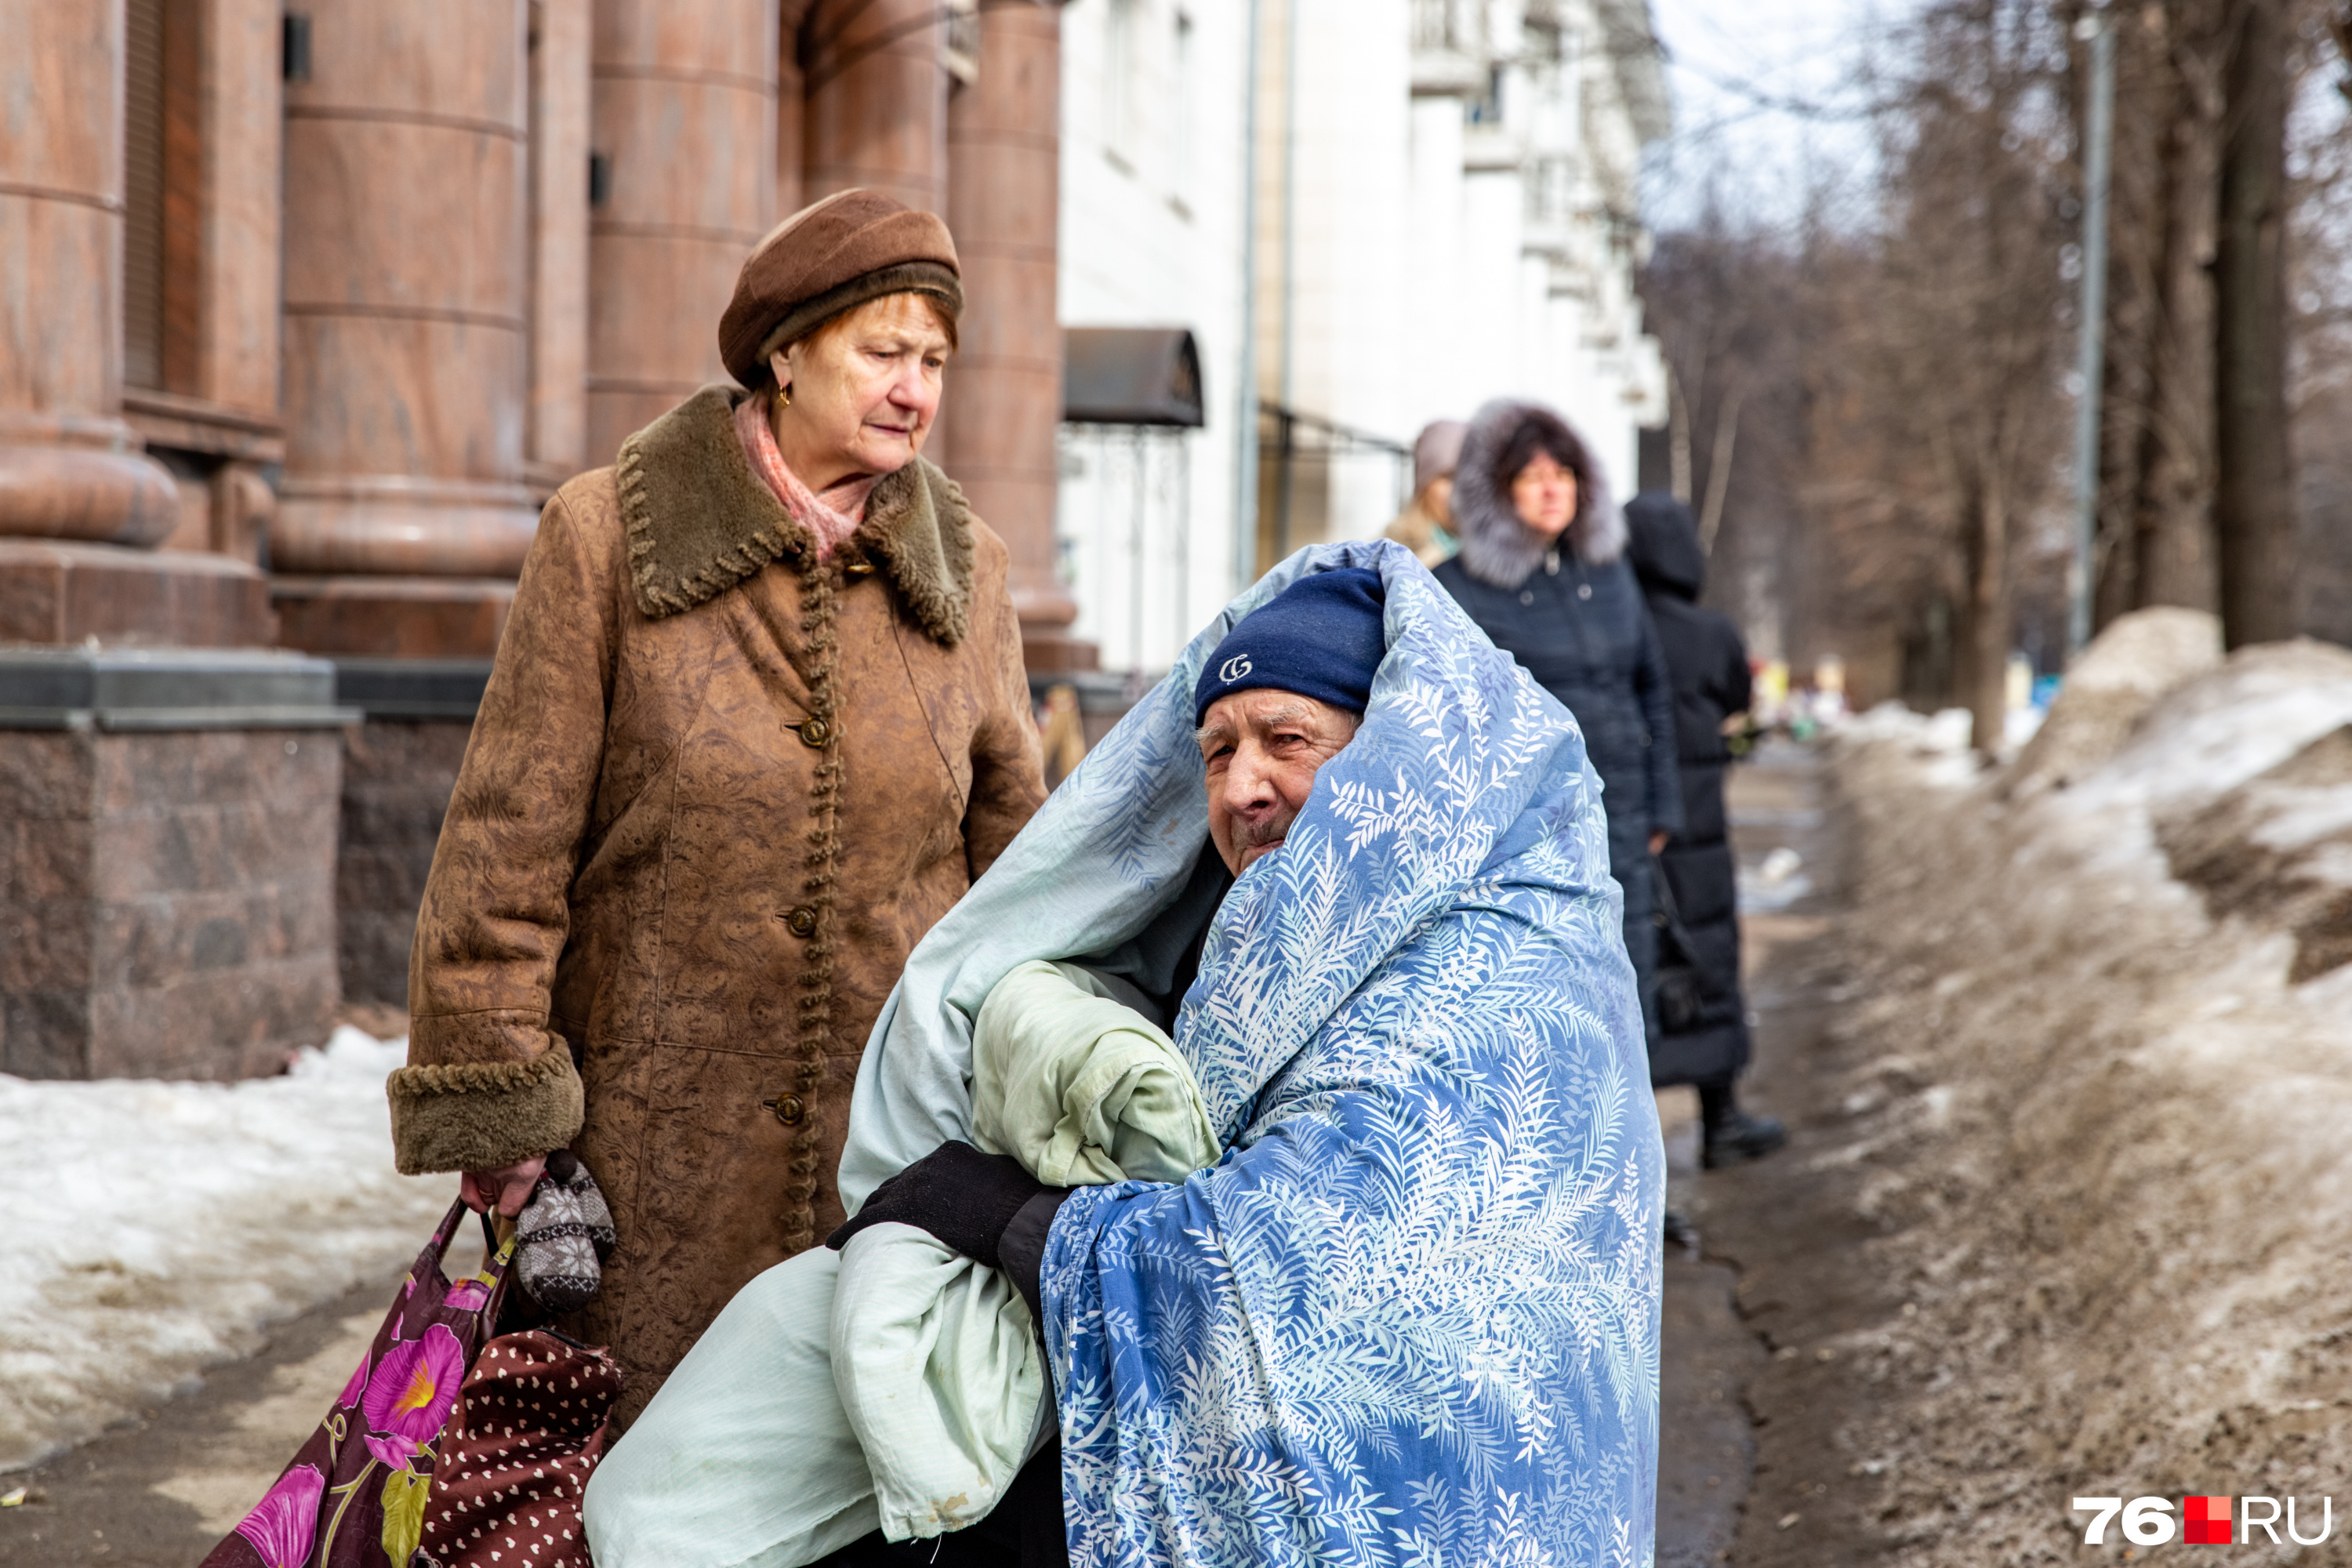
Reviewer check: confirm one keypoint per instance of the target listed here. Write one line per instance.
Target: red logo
(2205, 1520)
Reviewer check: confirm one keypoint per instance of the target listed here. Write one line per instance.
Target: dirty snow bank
(2102, 1125)
(154, 1228)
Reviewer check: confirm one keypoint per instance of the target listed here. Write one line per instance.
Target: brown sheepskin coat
(715, 796)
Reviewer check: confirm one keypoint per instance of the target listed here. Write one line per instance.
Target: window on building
(1486, 108)
(1180, 120)
(162, 193)
(1119, 66)
(960, 42)
(143, 195)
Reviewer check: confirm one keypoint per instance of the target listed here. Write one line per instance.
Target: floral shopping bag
(354, 1496)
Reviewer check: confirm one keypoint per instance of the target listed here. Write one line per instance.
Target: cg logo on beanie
(1321, 637)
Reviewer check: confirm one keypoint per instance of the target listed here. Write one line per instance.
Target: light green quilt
(898, 1385)
(935, 1357)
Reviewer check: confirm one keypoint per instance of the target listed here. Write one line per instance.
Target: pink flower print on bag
(408, 1398)
(283, 1525)
(354, 1496)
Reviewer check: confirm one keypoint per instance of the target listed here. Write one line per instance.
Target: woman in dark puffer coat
(1708, 1049)
(1541, 570)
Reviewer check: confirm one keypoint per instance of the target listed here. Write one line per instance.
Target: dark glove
(963, 1197)
(1023, 1246)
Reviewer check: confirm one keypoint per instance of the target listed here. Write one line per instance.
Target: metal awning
(1131, 375)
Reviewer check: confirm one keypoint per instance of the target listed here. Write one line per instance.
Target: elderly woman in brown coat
(759, 718)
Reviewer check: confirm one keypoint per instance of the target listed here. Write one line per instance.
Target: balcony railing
(1452, 26)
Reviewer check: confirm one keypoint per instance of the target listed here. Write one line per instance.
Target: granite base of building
(397, 775)
(167, 861)
(399, 768)
(167, 901)
(1103, 696)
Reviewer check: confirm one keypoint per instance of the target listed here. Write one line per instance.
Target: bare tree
(1873, 411)
(2254, 502)
(2197, 493)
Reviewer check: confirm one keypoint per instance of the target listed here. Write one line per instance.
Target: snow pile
(2111, 687)
(1940, 743)
(2101, 1102)
(155, 1228)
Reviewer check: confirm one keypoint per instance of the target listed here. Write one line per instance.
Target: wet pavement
(1716, 1345)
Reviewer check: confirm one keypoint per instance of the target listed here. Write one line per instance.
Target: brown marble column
(406, 376)
(1004, 395)
(80, 505)
(684, 121)
(874, 96)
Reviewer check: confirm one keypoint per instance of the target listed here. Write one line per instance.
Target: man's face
(1262, 749)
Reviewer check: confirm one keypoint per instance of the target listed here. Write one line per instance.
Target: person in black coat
(1541, 570)
(1702, 1037)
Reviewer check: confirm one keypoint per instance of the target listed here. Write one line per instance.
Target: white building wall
(1413, 259)
(1355, 144)
(1152, 235)
(1541, 191)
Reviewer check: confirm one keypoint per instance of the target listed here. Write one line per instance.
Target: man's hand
(1658, 841)
(507, 1189)
(963, 1197)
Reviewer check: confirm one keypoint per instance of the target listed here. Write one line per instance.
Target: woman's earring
(784, 396)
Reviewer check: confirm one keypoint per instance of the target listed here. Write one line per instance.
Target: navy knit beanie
(1321, 637)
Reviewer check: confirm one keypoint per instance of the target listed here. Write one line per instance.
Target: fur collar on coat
(700, 521)
(1500, 550)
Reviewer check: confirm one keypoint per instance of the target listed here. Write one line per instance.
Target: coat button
(814, 731)
(1584, 590)
(800, 920)
(788, 1109)
(858, 569)
(1527, 598)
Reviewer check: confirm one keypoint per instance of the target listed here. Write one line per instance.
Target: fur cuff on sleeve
(481, 1116)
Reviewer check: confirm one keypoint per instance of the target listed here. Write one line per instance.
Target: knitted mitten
(563, 1237)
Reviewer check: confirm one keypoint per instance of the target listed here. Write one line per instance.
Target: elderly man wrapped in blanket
(1409, 1312)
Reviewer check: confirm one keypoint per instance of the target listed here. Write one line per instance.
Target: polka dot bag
(517, 1454)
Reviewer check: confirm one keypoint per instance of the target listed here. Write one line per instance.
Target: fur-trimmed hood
(1496, 547)
(700, 521)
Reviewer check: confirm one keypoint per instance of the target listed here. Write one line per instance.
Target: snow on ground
(2104, 1130)
(155, 1228)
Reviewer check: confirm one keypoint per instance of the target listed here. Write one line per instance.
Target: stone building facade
(304, 310)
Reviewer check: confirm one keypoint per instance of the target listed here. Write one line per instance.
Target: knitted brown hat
(828, 258)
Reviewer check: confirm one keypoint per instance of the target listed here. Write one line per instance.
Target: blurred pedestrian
(1062, 735)
(1425, 526)
(758, 719)
(1702, 1037)
(1542, 570)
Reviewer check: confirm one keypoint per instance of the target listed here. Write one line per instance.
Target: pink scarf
(831, 516)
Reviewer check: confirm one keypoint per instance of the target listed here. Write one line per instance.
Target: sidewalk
(1713, 1351)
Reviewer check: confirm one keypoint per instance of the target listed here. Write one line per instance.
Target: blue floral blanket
(1410, 1317)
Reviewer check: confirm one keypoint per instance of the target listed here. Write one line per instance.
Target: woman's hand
(1658, 841)
(509, 1188)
